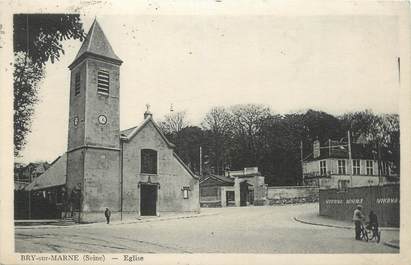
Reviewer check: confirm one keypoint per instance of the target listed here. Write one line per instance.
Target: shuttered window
(77, 84)
(356, 167)
(103, 82)
(370, 170)
(341, 167)
(323, 168)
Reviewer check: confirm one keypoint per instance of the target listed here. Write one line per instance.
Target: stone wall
(383, 200)
(292, 194)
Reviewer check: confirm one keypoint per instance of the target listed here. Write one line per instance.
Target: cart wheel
(365, 235)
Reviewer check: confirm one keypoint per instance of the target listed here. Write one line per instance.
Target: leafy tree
(381, 131)
(250, 135)
(37, 39)
(322, 126)
(280, 159)
(188, 142)
(27, 76)
(40, 35)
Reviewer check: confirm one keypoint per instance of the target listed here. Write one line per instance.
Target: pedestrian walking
(358, 218)
(107, 213)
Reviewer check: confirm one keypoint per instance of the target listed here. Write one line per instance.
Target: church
(134, 172)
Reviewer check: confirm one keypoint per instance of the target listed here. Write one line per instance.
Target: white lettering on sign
(333, 201)
(354, 201)
(387, 200)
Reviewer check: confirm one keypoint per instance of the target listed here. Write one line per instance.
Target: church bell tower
(93, 152)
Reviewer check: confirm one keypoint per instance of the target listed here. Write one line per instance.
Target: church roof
(54, 176)
(128, 134)
(96, 43)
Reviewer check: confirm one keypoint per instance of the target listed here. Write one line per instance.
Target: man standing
(358, 219)
(107, 213)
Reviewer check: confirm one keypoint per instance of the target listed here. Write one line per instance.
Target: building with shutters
(134, 172)
(330, 166)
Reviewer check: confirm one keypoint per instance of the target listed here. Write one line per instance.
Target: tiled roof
(127, 131)
(222, 179)
(358, 151)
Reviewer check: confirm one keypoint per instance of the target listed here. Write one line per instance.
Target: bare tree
(246, 123)
(247, 118)
(174, 122)
(218, 123)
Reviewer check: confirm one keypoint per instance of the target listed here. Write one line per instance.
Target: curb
(327, 225)
(392, 244)
(340, 226)
(117, 223)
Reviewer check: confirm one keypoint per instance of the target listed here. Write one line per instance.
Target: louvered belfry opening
(103, 82)
(77, 84)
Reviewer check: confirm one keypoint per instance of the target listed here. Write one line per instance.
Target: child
(373, 221)
(107, 213)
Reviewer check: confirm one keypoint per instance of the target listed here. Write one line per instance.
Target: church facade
(132, 172)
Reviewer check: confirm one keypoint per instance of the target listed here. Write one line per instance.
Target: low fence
(291, 194)
(383, 200)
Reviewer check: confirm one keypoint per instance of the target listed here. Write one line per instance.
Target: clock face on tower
(102, 119)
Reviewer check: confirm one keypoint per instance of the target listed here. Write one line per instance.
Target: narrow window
(370, 170)
(323, 168)
(341, 167)
(77, 84)
(356, 167)
(103, 82)
(149, 161)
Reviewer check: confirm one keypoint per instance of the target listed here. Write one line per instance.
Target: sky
(290, 63)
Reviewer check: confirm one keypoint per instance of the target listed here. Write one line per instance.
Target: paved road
(232, 230)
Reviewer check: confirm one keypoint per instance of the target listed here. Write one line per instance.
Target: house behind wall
(330, 166)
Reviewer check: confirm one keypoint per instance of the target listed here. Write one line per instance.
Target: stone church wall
(171, 175)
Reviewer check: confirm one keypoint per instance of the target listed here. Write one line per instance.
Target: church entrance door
(148, 200)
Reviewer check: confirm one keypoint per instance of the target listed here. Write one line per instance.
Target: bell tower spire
(93, 150)
(96, 44)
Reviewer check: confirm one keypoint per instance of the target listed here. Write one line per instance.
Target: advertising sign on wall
(383, 200)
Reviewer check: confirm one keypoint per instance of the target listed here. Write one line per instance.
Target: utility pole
(201, 162)
(379, 162)
(349, 156)
(302, 162)
(29, 192)
(329, 147)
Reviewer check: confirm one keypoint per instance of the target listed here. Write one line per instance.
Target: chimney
(316, 148)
